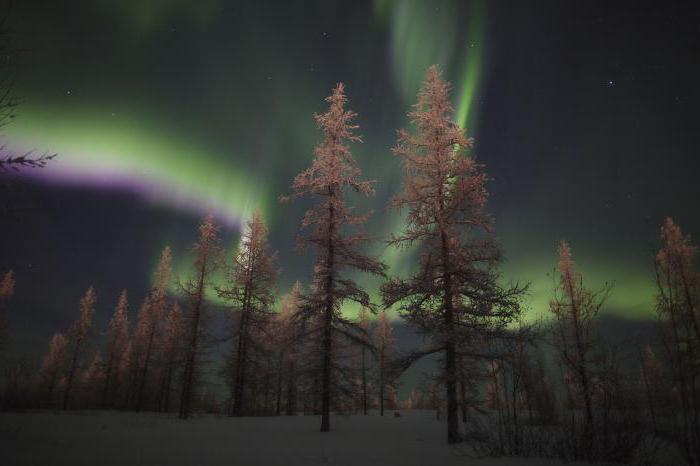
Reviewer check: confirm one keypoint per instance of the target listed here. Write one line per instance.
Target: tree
(53, 363)
(156, 303)
(76, 340)
(117, 340)
(9, 102)
(364, 325)
(7, 289)
(171, 343)
(678, 286)
(383, 342)
(574, 308)
(92, 378)
(289, 341)
(137, 355)
(207, 260)
(332, 173)
(454, 296)
(250, 292)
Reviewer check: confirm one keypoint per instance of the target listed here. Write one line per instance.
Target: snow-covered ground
(114, 438)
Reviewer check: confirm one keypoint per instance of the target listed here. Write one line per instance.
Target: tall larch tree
(574, 308)
(157, 302)
(678, 293)
(117, 339)
(250, 291)
(77, 336)
(454, 296)
(383, 342)
(332, 173)
(207, 260)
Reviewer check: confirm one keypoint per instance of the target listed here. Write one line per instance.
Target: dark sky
(584, 114)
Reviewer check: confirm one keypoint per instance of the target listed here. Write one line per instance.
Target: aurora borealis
(162, 111)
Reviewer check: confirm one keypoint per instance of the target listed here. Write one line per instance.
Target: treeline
(310, 357)
(155, 363)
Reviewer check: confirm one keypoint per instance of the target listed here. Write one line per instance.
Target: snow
(119, 438)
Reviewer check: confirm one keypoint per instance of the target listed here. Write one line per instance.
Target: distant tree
(364, 326)
(138, 348)
(207, 260)
(250, 291)
(383, 342)
(455, 295)
(678, 293)
(117, 341)
(172, 335)
(284, 340)
(125, 372)
(92, 379)
(332, 173)
(149, 322)
(7, 289)
(654, 383)
(574, 308)
(77, 336)
(290, 343)
(52, 365)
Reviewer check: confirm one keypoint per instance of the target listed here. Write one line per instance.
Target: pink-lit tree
(454, 296)
(332, 173)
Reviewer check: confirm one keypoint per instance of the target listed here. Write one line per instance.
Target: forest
(511, 386)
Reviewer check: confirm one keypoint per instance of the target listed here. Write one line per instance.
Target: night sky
(584, 113)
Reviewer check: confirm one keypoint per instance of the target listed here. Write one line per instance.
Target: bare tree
(250, 292)
(574, 308)
(157, 302)
(8, 102)
(383, 342)
(52, 365)
(172, 334)
(117, 339)
(290, 341)
(91, 380)
(364, 325)
(455, 295)
(207, 260)
(77, 339)
(678, 285)
(332, 173)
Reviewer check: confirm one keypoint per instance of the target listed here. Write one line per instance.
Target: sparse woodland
(501, 383)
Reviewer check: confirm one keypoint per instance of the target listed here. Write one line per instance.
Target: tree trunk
(241, 358)
(188, 378)
(108, 379)
(291, 391)
(144, 373)
(328, 325)
(463, 400)
(364, 382)
(450, 351)
(71, 372)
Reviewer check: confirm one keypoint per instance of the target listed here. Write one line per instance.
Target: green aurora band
(140, 154)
